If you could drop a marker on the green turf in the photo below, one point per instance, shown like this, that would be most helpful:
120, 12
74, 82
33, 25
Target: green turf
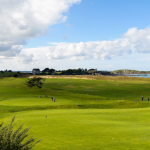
104, 113
88, 128
75, 92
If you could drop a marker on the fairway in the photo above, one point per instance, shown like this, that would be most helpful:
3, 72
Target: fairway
87, 114
76, 93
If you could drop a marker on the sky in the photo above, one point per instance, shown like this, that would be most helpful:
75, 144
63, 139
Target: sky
71, 34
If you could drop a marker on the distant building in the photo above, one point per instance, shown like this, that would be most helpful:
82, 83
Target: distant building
35, 71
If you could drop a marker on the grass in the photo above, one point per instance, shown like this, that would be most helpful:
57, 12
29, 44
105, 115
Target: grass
75, 92
92, 113
88, 128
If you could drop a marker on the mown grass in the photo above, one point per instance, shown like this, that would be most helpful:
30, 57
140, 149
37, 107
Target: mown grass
74, 93
103, 113
110, 129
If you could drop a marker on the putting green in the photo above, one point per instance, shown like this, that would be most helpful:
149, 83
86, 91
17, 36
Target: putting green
88, 129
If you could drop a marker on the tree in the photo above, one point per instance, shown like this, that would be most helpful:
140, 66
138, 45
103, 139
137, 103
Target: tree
79, 71
34, 82
13, 140
18, 73
52, 70
15, 75
46, 70
69, 71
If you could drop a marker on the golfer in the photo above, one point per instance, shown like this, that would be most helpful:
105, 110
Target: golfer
142, 97
52, 99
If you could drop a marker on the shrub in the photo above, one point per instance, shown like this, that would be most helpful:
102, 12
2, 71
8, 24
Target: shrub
13, 140
15, 75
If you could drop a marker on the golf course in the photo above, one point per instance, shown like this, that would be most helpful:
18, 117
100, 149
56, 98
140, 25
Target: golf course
89, 113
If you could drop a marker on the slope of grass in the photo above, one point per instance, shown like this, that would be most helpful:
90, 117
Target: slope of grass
14, 92
83, 93
15, 96
70, 123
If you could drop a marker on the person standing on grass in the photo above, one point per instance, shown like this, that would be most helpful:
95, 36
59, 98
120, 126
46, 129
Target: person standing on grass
148, 98
142, 97
52, 99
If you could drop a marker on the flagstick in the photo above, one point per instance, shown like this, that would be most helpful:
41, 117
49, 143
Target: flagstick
45, 120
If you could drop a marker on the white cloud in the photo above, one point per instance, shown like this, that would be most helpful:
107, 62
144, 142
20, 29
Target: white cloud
89, 50
24, 58
24, 19
140, 39
109, 66
132, 41
10, 50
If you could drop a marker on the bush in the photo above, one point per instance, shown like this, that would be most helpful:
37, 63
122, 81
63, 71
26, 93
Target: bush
13, 140
15, 75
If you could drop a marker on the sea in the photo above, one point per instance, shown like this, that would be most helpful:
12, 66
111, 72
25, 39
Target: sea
138, 75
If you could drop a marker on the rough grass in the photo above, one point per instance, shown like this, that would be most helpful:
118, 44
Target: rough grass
110, 78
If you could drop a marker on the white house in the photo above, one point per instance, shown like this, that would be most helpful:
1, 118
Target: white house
36, 71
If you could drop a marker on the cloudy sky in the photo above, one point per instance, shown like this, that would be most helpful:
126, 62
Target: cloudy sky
69, 34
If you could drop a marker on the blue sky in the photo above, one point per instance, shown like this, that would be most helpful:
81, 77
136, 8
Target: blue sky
97, 20
102, 34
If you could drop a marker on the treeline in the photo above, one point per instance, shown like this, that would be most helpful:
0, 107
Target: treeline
52, 71
79, 71
74, 72
9, 73
2, 71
